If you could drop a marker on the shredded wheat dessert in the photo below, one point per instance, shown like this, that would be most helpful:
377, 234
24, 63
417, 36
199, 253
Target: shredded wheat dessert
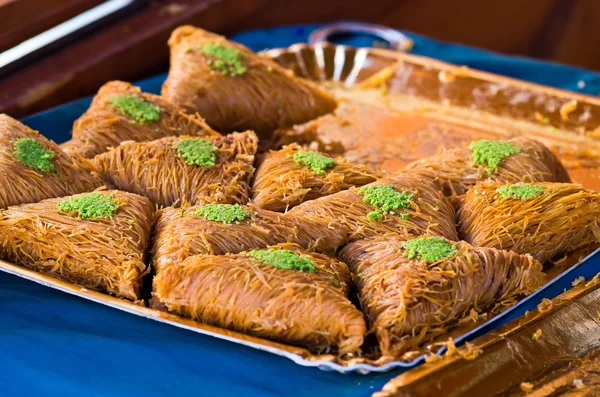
278, 252
415, 288
122, 112
34, 168
397, 203
96, 240
235, 89
281, 293
180, 170
541, 219
217, 229
293, 175
517, 160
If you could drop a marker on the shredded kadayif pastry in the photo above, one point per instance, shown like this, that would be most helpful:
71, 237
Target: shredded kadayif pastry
122, 112
516, 160
280, 292
33, 168
541, 219
179, 170
235, 89
441, 281
290, 176
97, 240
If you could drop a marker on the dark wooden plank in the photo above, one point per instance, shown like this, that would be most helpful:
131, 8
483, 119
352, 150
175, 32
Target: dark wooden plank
578, 45
500, 25
127, 50
558, 30
23, 19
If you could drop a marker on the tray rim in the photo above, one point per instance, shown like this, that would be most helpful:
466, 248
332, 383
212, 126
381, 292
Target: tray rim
446, 66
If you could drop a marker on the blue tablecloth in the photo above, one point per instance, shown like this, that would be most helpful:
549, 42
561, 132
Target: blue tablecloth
55, 344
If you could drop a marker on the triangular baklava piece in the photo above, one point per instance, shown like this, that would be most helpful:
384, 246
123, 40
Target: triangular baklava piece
96, 240
184, 169
281, 293
235, 89
401, 203
516, 160
218, 229
34, 168
413, 289
541, 219
122, 112
290, 176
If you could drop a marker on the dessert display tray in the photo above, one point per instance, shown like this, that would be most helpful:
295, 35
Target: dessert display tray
429, 94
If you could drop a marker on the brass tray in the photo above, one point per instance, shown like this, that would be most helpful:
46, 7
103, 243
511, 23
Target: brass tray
427, 95
439, 95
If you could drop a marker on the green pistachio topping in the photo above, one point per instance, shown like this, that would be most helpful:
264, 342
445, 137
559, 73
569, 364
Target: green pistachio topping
317, 162
374, 216
89, 206
521, 191
284, 259
491, 153
31, 153
197, 151
225, 60
429, 249
224, 213
385, 199
137, 108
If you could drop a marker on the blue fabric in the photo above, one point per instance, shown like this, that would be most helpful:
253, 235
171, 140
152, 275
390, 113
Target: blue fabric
54, 344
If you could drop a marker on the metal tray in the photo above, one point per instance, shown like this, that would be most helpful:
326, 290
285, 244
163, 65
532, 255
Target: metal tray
448, 93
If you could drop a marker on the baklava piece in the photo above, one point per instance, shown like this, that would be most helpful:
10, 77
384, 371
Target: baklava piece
541, 219
290, 176
96, 240
181, 170
413, 289
516, 160
235, 89
122, 112
34, 168
218, 229
402, 203
281, 293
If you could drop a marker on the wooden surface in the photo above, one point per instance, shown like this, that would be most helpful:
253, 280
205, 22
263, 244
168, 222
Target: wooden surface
560, 30
131, 49
135, 47
48, 13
